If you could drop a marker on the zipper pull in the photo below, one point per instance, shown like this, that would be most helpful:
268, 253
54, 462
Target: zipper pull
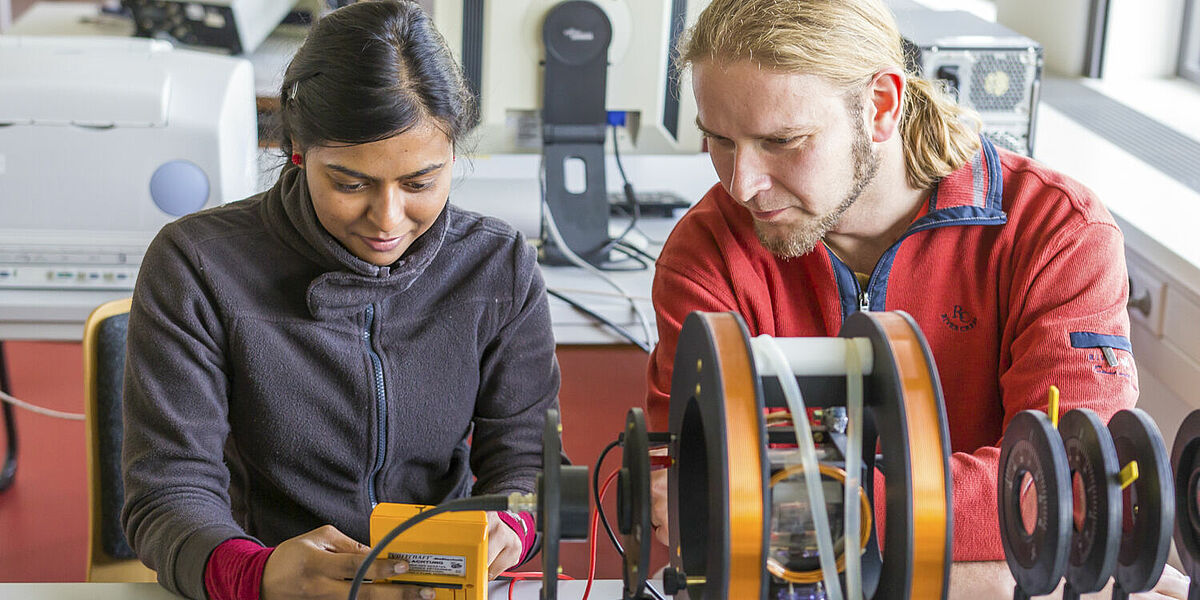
864, 301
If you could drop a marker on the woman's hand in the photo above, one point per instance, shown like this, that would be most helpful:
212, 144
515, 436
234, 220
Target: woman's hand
504, 546
322, 563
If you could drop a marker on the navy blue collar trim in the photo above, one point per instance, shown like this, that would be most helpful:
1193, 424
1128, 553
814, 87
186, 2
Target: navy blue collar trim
992, 213
847, 283
958, 215
995, 191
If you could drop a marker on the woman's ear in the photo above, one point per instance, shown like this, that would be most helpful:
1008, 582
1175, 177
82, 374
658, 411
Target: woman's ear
297, 157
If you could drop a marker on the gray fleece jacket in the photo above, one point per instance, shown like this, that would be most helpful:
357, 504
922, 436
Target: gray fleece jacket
276, 383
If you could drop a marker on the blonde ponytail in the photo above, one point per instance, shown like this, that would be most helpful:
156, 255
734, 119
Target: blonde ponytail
939, 135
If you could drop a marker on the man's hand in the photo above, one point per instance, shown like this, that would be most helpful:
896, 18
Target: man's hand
1172, 584
987, 580
322, 563
658, 501
981, 581
504, 546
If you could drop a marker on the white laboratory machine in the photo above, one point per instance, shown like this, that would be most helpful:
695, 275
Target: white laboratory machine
238, 26
103, 141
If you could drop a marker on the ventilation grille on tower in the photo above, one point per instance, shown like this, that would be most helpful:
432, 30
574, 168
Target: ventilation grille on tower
998, 82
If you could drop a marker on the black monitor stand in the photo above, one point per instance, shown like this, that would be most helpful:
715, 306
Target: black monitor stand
574, 120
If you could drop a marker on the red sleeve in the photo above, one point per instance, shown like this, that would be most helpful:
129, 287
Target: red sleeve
530, 538
675, 295
235, 570
1067, 305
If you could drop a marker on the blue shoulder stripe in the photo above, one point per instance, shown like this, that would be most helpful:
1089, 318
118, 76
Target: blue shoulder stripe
1087, 339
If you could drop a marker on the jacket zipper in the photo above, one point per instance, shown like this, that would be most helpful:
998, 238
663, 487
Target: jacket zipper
861, 295
381, 426
864, 297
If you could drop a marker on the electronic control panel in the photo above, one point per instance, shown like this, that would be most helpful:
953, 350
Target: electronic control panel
67, 267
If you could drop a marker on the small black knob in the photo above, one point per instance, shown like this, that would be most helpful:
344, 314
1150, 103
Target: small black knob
1142, 303
674, 581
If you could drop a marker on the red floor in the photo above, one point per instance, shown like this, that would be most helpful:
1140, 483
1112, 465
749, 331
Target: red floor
43, 516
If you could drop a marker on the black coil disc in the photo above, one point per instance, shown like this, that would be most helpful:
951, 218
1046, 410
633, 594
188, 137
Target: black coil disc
549, 489
1033, 460
633, 503
562, 503
1096, 500
1185, 461
1148, 513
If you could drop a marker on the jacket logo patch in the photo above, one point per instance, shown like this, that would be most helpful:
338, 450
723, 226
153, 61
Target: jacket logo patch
1124, 367
959, 319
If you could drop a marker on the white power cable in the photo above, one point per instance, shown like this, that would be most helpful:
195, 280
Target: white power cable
552, 227
852, 502
808, 460
41, 411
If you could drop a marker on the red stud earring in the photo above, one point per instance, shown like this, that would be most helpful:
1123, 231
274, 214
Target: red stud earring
296, 158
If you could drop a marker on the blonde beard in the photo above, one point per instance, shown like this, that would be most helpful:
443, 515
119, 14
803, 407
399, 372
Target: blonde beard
798, 240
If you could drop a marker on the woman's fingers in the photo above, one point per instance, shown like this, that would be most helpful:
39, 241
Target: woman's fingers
504, 546
344, 556
321, 563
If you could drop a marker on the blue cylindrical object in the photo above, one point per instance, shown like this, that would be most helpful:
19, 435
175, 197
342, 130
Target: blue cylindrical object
179, 187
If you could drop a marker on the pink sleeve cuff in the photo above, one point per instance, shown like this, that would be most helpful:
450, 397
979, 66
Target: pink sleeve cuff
522, 524
235, 570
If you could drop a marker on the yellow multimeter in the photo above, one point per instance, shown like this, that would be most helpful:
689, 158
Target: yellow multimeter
447, 552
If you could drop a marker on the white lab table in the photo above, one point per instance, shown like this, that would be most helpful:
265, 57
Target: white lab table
609, 589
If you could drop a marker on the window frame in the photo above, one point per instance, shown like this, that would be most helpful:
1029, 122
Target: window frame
1189, 42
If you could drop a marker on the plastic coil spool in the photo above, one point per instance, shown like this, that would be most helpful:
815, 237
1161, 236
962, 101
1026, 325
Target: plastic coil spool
1096, 502
1148, 515
721, 464
1034, 461
633, 505
562, 503
1185, 461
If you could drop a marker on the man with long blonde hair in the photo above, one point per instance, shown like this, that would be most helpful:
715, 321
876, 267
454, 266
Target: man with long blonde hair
847, 183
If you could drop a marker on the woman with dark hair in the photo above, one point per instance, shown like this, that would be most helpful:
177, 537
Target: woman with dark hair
343, 339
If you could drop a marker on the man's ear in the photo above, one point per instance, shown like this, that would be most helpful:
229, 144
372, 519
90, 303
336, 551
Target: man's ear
885, 94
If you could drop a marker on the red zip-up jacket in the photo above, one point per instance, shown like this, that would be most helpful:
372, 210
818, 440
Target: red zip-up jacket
1014, 273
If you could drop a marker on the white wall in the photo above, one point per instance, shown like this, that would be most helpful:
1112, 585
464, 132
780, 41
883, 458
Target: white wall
1060, 26
1142, 38
1166, 343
